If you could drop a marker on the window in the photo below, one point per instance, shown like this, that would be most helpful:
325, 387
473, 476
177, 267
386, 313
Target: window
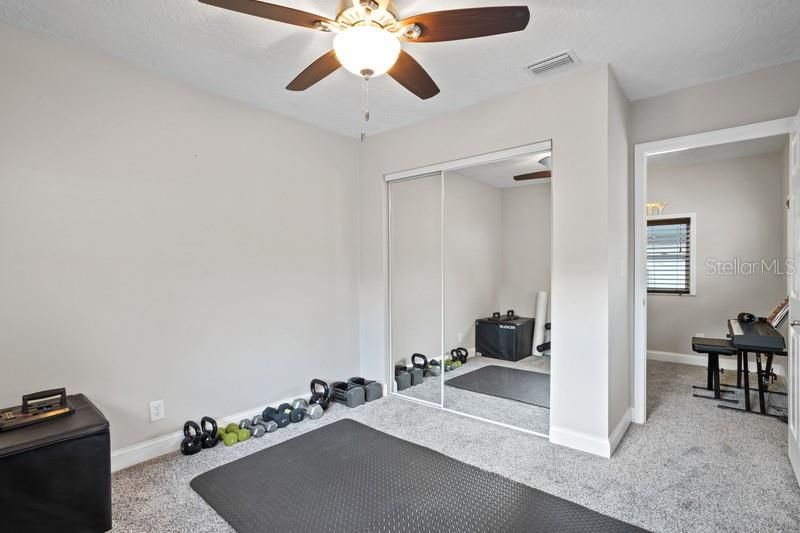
670, 254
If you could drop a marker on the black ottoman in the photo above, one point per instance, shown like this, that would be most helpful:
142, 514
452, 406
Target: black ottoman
55, 476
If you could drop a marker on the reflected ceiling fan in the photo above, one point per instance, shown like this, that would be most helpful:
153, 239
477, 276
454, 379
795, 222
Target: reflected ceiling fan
545, 160
368, 35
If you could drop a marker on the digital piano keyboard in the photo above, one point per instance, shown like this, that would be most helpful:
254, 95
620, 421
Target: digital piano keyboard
757, 337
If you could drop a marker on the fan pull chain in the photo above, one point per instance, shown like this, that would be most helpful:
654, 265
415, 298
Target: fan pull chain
365, 108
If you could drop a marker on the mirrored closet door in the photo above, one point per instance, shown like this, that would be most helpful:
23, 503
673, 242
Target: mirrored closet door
497, 230
415, 281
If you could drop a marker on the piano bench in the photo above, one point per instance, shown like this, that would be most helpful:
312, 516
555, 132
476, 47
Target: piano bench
713, 346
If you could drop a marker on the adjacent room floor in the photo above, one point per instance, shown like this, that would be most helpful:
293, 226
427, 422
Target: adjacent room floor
692, 467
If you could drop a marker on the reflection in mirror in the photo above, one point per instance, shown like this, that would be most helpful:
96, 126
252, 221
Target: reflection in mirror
497, 283
415, 272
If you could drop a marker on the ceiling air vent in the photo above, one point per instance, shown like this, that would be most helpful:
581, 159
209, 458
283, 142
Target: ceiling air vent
547, 65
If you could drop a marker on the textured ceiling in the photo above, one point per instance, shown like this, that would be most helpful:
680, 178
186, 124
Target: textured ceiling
654, 46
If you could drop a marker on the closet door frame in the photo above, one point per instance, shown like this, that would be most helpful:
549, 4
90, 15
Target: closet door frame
428, 171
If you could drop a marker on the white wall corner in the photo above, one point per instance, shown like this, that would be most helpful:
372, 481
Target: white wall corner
589, 443
620, 430
794, 455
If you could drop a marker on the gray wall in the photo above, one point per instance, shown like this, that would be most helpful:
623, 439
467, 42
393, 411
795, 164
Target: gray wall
765, 94
740, 213
157, 242
526, 256
416, 267
473, 256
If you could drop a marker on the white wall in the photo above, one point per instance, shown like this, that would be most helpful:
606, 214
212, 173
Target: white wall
473, 256
526, 253
740, 213
157, 242
574, 112
620, 267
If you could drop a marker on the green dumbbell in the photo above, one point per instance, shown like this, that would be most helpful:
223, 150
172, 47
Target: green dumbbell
228, 438
242, 434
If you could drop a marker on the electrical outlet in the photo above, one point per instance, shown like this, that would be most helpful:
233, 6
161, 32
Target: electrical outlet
460, 338
156, 410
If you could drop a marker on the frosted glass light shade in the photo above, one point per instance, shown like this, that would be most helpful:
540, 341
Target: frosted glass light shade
366, 50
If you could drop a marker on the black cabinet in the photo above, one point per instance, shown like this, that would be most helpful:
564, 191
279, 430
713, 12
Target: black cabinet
55, 476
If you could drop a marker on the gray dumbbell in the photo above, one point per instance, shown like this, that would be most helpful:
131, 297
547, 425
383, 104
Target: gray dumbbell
349, 394
268, 425
256, 430
372, 389
402, 377
313, 411
434, 368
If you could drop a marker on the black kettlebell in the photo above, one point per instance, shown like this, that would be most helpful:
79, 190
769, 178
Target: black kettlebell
321, 397
209, 438
418, 360
192, 438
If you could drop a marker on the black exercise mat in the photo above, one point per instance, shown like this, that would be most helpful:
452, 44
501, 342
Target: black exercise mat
523, 386
346, 477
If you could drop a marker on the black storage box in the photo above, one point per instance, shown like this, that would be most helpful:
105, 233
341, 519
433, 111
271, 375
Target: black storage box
505, 338
55, 476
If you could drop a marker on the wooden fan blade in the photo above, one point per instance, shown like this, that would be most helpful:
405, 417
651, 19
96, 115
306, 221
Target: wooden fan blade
410, 74
270, 11
533, 176
468, 23
316, 71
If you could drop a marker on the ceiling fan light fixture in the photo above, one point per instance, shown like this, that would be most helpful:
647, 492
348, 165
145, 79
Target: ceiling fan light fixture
366, 51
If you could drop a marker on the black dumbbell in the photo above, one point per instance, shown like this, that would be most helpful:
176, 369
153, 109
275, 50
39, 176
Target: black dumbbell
320, 393
209, 437
277, 416
295, 415
192, 438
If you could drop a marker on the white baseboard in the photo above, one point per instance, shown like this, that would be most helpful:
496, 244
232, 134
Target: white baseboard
580, 441
620, 430
589, 443
728, 363
170, 443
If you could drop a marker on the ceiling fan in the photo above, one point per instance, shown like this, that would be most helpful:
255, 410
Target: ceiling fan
368, 35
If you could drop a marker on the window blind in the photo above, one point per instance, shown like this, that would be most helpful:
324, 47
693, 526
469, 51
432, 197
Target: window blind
669, 256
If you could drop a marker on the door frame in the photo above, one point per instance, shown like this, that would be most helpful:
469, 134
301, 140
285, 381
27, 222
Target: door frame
642, 152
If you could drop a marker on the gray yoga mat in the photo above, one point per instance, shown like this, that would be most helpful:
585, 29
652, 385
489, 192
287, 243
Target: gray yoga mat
347, 477
523, 386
